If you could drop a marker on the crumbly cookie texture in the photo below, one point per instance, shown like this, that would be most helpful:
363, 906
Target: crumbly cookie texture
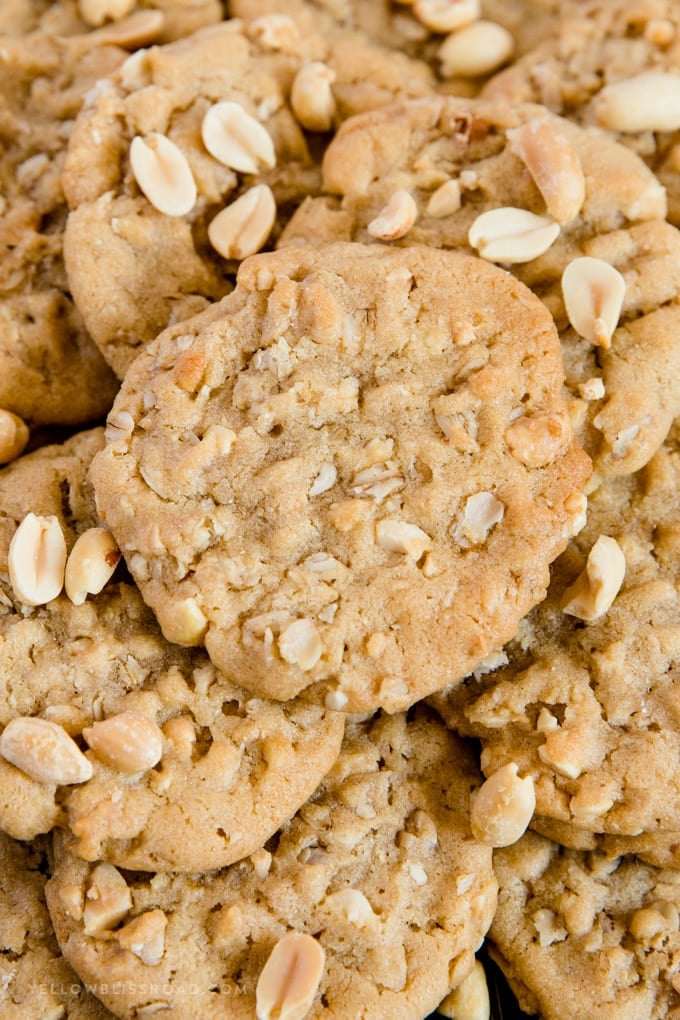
35, 980
182, 769
122, 22
51, 373
611, 65
582, 934
354, 470
378, 874
586, 700
432, 172
217, 121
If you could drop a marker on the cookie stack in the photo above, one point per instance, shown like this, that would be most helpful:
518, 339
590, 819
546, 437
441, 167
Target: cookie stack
338, 528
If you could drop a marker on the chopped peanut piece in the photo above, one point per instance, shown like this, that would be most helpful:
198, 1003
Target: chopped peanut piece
243, 227
44, 751
290, 978
512, 235
163, 173
470, 1000
446, 15
237, 139
140, 28
352, 905
475, 50
145, 936
300, 644
593, 297
538, 440
107, 900
96, 12
503, 807
594, 590
37, 560
14, 435
189, 624
481, 514
401, 537
445, 200
646, 102
554, 165
90, 564
396, 219
312, 98
127, 741
274, 32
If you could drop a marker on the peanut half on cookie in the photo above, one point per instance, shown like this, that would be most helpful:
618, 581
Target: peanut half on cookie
353, 471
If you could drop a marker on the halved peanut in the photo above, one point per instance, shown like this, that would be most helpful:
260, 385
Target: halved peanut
311, 96
237, 139
127, 741
445, 200
503, 807
290, 978
512, 235
470, 1000
300, 644
14, 435
163, 173
90, 564
402, 537
396, 219
243, 227
646, 102
554, 165
107, 900
593, 294
475, 50
140, 28
594, 590
37, 559
446, 15
44, 751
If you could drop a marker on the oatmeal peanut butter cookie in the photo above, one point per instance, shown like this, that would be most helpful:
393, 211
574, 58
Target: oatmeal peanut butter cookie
586, 700
353, 470
375, 897
35, 980
51, 373
188, 158
536, 194
153, 759
585, 935
611, 65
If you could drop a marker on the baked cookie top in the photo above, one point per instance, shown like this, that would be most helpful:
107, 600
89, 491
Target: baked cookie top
586, 701
378, 875
353, 471
165, 748
121, 22
50, 371
582, 934
612, 65
551, 193
35, 980
189, 157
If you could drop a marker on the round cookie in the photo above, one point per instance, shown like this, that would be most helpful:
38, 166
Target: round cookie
321, 478
587, 703
132, 24
597, 45
584, 935
232, 767
379, 868
51, 372
470, 147
35, 980
134, 269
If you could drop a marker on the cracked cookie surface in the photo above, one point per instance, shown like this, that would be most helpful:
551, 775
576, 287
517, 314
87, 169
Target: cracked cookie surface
353, 470
229, 769
379, 869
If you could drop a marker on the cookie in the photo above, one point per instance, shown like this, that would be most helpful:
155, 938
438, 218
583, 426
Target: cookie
35, 980
378, 876
52, 373
580, 934
427, 172
586, 699
182, 769
611, 66
125, 23
136, 263
325, 478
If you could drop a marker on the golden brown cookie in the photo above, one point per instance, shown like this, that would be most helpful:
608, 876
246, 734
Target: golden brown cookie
352, 471
375, 894
171, 765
